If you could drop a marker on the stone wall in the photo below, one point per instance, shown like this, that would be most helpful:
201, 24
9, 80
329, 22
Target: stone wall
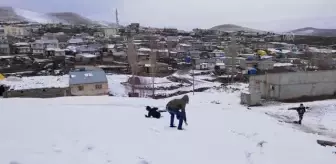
38, 93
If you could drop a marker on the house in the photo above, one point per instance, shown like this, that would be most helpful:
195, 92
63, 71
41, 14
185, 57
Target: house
183, 47
98, 34
86, 58
4, 47
22, 48
88, 82
204, 64
143, 54
39, 46
87, 49
110, 48
16, 31
162, 53
2, 33
195, 54
145, 67
75, 41
197, 45
55, 52
110, 32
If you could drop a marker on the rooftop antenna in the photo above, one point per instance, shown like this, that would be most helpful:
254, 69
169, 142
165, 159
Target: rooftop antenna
117, 17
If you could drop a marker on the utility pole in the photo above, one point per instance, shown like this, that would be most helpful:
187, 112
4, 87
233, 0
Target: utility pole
233, 53
193, 72
132, 60
153, 64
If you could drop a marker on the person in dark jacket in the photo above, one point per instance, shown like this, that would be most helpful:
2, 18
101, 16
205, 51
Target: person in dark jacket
177, 107
153, 112
300, 110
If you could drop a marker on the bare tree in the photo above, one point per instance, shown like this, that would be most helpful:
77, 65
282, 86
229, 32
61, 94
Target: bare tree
231, 51
153, 64
132, 61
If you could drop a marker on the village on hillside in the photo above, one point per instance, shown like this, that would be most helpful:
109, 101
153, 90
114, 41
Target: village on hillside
54, 60
80, 91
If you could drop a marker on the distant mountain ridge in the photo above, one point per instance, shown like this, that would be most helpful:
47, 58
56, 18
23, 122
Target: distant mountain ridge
234, 28
315, 32
10, 14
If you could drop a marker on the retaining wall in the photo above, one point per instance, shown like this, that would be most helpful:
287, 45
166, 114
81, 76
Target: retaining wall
38, 93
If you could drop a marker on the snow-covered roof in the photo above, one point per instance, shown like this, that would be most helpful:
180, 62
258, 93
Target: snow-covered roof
21, 44
47, 41
110, 45
282, 64
87, 55
266, 57
75, 40
185, 45
279, 51
144, 49
54, 49
87, 77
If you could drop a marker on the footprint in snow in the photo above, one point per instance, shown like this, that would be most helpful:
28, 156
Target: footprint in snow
56, 149
155, 130
143, 162
14, 162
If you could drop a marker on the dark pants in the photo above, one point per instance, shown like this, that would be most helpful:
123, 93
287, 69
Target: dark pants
300, 118
179, 115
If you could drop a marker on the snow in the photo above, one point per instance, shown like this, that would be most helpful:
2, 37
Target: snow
37, 17
16, 83
144, 50
104, 129
278, 51
305, 32
320, 118
87, 55
282, 64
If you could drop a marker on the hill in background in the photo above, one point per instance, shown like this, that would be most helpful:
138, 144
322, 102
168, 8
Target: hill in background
10, 14
234, 28
311, 31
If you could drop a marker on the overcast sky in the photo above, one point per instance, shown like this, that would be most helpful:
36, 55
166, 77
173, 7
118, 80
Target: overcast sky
279, 15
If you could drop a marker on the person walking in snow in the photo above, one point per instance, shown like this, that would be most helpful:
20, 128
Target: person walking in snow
300, 110
177, 107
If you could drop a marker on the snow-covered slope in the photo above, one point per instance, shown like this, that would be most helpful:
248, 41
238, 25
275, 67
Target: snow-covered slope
91, 130
314, 31
10, 14
32, 16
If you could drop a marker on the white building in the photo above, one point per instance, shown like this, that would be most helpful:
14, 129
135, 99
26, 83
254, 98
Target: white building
293, 85
16, 31
110, 32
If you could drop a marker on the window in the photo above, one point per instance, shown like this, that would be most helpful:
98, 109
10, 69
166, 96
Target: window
99, 86
80, 88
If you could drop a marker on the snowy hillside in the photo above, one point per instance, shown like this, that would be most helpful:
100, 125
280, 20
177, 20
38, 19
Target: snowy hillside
115, 83
9, 14
314, 31
32, 16
113, 130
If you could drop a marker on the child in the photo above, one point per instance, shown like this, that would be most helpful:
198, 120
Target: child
300, 110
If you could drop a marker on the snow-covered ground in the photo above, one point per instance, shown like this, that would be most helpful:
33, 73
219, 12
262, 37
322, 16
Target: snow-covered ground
115, 83
320, 117
102, 129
